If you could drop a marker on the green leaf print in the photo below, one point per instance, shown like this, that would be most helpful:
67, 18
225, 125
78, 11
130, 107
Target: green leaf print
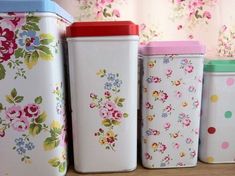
2, 72
41, 118
19, 99
13, 93
125, 115
55, 162
38, 100
19, 53
31, 27
10, 99
31, 59
59, 163
1, 107
119, 101
46, 39
35, 129
33, 19
50, 143
115, 122
13, 98
107, 122
62, 167
45, 52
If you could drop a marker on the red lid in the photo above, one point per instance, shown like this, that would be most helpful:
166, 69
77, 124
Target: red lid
108, 28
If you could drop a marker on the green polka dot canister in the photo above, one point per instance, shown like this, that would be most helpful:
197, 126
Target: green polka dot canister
218, 112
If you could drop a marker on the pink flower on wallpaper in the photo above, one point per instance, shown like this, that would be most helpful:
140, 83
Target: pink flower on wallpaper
226, 41
116, 13
194, 11
207, 15
100, 9
190, 36
179, 27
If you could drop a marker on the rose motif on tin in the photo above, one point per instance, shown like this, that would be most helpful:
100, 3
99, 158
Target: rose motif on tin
109, 108
22, 44
28, 121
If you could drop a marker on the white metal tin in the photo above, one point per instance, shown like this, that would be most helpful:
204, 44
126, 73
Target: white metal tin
171, 97
32, 105
217, 142
103, 74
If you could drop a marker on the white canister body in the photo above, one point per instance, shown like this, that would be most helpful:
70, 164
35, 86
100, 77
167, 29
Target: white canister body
171, 103
217, 142
32, 101
103, 74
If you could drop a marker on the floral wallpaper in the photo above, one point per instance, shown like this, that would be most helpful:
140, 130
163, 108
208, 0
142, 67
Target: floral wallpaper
210, 21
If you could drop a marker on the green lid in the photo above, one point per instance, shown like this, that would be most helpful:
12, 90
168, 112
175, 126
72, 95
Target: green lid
219, 66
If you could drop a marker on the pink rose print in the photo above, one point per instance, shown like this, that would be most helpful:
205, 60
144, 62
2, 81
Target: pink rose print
160, 95
189, 68
169, 108
167, 159
110, 106
178, 94
148, 156
189, 141
31, 110
167, 126
107, 94
15, 20
160, 147
7, 43
14, 113
104, 113
184, 120
21, 125
176, 145
193, 154
117, 115
169, 73
148, 105
92, 105
196, 104
153, 79
152, 132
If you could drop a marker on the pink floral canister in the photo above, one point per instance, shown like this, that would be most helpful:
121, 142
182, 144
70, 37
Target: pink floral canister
171, 103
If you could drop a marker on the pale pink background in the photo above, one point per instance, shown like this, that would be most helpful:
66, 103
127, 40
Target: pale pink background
160, 21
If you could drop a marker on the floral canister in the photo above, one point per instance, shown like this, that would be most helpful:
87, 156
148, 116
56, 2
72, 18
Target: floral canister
217, 142
103, 74
171, 102
32, 101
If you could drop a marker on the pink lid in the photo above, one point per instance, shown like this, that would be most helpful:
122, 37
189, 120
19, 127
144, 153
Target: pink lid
172, 47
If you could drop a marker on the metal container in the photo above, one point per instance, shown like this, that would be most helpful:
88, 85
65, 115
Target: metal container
32, 104
171, 103
103, 74
217, 123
